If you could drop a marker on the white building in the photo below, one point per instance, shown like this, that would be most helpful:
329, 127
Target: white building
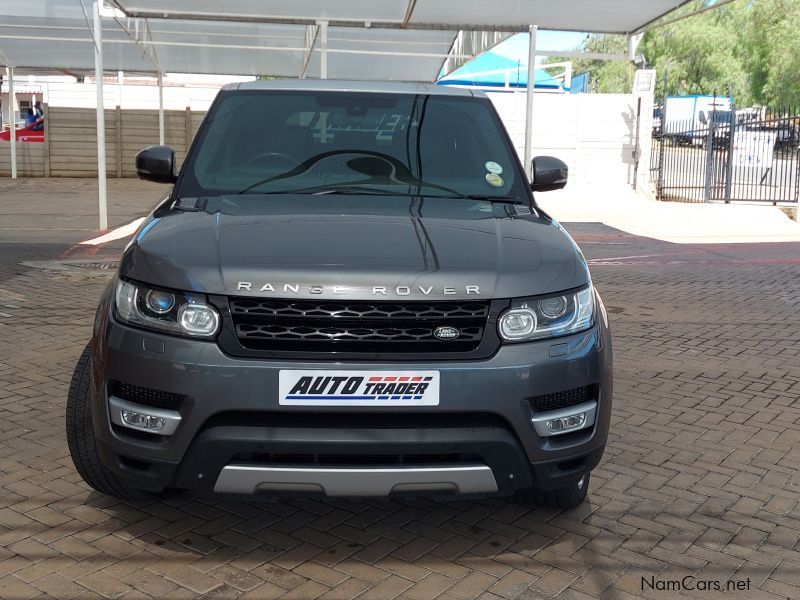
26, 97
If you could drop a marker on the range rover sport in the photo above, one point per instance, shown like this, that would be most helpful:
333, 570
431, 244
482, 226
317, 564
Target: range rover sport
349, 291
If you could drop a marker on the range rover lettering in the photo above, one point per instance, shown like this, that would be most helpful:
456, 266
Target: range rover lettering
350, 290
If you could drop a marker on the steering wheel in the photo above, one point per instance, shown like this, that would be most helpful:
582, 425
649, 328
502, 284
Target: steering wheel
271, 157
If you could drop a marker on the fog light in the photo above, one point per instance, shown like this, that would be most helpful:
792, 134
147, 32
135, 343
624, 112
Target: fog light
144, 418
563, 424
552, 423
143, 421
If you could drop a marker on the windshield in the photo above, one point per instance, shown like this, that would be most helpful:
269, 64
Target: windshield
718, 116
345, 142
722, 116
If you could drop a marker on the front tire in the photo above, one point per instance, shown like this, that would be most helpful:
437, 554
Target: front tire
81, 440
565, 498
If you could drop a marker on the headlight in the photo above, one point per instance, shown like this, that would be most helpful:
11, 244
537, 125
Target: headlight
181, 313
547, 316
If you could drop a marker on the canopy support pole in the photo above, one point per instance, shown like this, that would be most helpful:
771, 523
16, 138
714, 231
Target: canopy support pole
323, 49
102, 197
532, 30
633, 44
13, 130
160, 109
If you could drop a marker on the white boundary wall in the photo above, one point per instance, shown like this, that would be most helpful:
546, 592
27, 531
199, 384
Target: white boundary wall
129, 96
595, 134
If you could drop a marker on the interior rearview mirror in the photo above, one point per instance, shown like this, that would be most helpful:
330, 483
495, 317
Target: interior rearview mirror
549, 173
156, 163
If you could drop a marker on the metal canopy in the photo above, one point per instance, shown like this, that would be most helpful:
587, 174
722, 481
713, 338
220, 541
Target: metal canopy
32, 36
65, 44
377, 39
606, 16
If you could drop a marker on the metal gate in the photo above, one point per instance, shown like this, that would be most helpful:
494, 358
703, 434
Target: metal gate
747, 155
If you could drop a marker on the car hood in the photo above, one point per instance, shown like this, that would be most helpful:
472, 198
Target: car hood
303, 252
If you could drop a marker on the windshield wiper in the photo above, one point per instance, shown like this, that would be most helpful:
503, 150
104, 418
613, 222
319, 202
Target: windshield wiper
487, 198
349, 190
355, 190
326, 191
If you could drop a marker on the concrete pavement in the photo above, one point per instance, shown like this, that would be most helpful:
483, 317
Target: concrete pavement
55, 210
675, 222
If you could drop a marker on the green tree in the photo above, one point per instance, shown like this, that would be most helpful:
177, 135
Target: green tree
771, 40
605, 77
702, 54
748, 48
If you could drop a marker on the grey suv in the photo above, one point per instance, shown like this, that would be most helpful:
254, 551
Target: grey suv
349, 291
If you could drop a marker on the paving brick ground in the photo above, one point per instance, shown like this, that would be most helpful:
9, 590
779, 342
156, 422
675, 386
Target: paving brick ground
701, 476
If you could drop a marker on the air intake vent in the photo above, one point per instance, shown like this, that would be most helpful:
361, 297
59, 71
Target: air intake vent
564, 399
147, 396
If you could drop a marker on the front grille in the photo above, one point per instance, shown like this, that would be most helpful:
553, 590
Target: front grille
146, 396
564, 399
357, 326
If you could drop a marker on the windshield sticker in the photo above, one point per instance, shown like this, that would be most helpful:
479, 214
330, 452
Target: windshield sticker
493, 167
494, 179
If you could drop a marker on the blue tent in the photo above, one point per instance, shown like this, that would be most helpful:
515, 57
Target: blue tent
580, 83
492, 70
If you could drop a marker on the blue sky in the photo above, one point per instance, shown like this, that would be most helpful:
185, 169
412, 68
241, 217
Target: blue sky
516, 47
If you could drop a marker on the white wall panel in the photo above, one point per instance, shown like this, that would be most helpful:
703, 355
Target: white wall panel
594, 134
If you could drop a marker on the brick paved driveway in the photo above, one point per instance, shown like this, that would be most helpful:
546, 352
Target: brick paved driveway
701, 475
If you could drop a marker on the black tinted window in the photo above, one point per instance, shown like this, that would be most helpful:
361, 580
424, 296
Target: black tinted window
267, 142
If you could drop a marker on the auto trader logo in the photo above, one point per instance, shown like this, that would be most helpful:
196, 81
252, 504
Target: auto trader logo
359, 388
376, 388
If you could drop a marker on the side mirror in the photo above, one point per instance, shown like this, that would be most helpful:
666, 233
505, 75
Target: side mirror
549, 173
156, 163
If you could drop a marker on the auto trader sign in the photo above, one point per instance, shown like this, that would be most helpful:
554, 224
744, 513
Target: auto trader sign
753, 148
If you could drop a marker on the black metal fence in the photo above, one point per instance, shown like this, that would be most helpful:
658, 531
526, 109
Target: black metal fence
722, 154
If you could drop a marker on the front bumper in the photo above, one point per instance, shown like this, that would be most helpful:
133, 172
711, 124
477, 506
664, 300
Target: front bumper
231, 417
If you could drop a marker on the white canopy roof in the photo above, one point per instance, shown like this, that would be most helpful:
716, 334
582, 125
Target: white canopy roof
373, 39
54, 34
606, 16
